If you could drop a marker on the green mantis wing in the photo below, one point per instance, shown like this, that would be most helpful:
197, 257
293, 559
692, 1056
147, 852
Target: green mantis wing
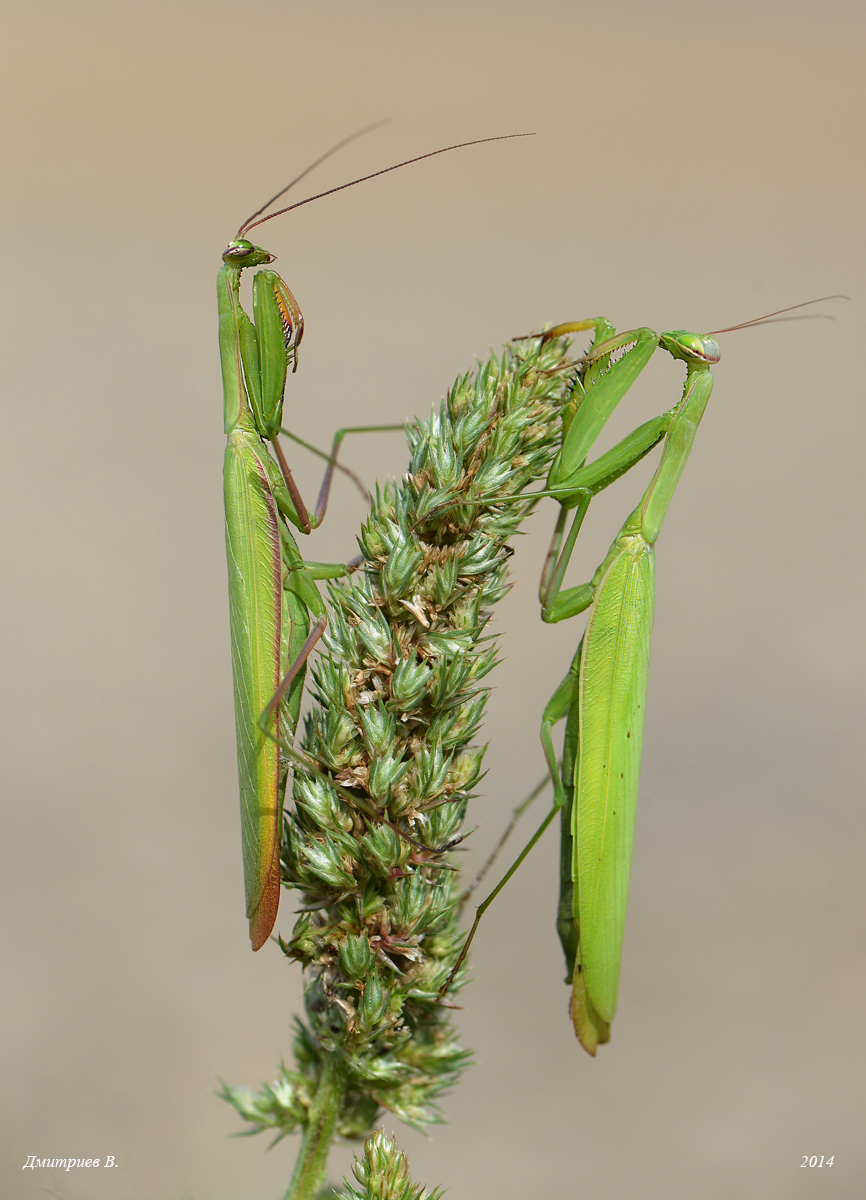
614, 667
255, 562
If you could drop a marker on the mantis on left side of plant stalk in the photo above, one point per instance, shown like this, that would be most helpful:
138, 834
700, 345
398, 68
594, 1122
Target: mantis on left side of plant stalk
276, 612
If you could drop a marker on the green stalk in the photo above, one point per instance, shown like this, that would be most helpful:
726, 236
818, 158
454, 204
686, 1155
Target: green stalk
308, 1176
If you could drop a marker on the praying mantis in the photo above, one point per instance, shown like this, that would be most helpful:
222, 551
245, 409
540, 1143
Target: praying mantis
602, 697
276, 611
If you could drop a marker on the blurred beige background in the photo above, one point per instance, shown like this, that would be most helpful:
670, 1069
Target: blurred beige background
694, 165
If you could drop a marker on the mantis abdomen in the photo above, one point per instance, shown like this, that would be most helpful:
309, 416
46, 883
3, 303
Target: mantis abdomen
614, 667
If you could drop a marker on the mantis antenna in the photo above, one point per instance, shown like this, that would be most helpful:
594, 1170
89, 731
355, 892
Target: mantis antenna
306, 171
251, 222
767, 319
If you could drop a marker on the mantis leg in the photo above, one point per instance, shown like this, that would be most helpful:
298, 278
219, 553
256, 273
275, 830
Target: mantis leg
558, 706
588, 481
304, 599
256, 357
312, 520
331, 459
483, 907
506, 834
597, 393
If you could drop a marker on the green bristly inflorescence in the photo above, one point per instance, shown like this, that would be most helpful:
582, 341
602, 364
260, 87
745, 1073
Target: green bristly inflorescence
398, 698
382, 1173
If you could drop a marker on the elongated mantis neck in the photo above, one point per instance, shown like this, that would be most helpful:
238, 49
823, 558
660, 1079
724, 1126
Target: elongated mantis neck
236, 411
678, 445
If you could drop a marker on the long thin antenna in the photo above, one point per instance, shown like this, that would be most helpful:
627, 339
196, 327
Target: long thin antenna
339, 146
251, 223
768, 316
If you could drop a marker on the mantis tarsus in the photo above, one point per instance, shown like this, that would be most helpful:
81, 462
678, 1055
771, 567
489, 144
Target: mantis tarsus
277, 613
603, 695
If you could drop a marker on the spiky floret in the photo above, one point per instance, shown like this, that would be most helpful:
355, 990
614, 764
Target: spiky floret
382, 1173
398, 699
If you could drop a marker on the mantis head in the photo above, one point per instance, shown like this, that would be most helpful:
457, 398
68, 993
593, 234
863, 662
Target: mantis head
697, 349
240, 253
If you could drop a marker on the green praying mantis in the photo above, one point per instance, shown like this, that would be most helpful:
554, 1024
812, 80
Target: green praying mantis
602, 698
603, 695
276, 611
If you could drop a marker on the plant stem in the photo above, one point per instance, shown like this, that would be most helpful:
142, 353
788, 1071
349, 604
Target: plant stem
308, 1176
